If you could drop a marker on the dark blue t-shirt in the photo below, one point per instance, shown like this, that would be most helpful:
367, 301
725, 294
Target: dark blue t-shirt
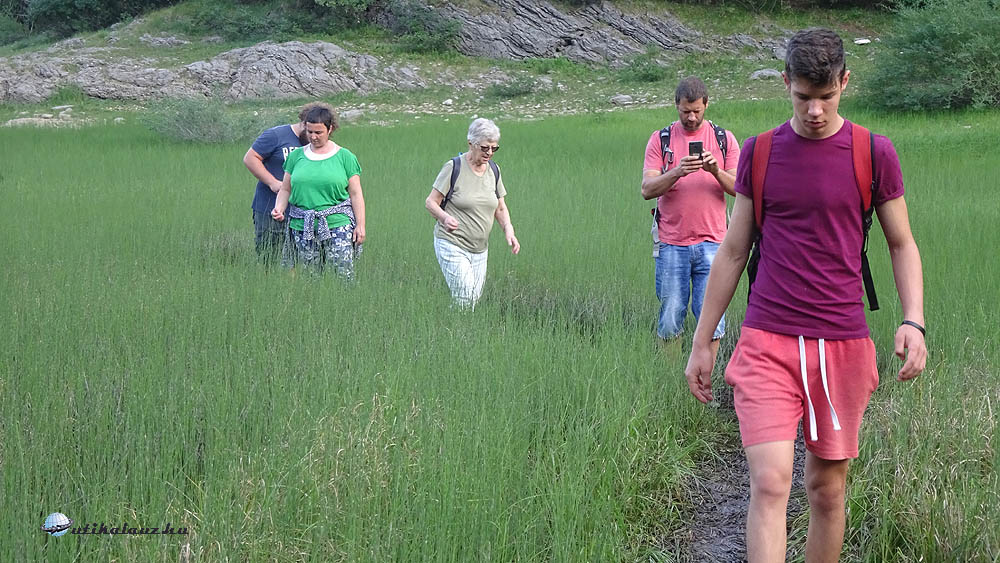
273, 146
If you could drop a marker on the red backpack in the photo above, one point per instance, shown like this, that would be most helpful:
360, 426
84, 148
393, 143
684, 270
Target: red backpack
863, 155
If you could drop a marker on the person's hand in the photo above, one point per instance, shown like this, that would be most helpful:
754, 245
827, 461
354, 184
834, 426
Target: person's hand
699, 372
515, 246
359, 234
276, 186
688, 164
450, 223
277, 215
911, 348
709, 163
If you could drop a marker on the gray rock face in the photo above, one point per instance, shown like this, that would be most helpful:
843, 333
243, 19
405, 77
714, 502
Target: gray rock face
765, 73
162, 41
295, 69
506, 29
266, 70
595, 33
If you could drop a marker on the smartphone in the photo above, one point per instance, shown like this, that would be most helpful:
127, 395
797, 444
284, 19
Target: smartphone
694, 148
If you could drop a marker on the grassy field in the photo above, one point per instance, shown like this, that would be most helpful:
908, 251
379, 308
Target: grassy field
154, 373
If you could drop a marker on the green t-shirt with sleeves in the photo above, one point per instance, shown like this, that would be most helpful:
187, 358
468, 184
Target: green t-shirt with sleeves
473, 205
319, 181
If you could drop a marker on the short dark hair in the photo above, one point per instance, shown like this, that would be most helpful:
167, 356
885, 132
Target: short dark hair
691, 89
305, 109
815, 55
322, 113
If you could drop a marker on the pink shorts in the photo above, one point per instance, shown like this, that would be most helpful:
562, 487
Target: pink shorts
766, 375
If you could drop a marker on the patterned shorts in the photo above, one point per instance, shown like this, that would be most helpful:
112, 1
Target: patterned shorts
338, 252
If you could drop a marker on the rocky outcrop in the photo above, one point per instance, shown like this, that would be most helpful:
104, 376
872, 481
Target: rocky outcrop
595, 33
266, 70
298, 69
507, 29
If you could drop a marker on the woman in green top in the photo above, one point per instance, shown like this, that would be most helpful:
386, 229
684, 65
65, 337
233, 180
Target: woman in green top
322, 193
465, 201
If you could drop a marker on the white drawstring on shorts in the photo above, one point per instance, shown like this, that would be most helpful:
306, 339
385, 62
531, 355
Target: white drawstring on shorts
826, 388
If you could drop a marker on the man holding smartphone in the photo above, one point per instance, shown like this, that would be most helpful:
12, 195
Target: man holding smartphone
689, 167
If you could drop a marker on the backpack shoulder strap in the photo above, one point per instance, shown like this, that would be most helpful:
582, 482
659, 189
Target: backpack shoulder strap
456, 167
758, 172
720, 137
863, 155
665, 146
496, 175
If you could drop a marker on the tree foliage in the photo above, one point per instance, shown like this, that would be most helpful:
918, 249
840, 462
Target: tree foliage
65, 17
941, 56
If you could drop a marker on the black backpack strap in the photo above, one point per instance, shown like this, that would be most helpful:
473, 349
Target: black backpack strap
666, 153
754, 261
866, 225
496, 175
720, 136
456, 167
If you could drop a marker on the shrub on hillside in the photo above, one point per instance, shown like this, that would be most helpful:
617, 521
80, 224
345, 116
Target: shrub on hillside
10, 30
521, 86
942, 55
353, 13
65, 17
203, 121
246, 20
644, 67
420, 28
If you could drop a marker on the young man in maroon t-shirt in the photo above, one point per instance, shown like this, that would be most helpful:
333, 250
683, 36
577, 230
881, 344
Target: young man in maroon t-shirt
804, 351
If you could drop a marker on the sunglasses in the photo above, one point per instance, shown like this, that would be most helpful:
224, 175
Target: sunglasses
487, 148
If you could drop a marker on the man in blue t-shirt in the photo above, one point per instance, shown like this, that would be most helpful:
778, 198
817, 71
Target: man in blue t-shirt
266, 160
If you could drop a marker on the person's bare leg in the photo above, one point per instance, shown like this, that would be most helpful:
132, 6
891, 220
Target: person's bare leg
770, 483
826, 486
715, 348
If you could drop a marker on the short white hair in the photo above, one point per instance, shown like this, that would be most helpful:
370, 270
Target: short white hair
483, 129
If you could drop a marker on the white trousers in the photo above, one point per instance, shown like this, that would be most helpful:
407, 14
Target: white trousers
464, 272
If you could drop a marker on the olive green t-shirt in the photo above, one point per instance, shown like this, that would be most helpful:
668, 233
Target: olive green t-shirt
473, 205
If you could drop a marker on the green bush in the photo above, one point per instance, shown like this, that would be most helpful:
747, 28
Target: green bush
420, 29
11, 30
353, 13
941, 56
65, 17
514, 89
643, 68
254, 20
204, 121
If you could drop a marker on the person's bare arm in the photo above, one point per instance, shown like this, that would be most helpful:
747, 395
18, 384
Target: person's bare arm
723, 279
281, 201
255, 164
908, 274
358, 204
502, 215
654, 184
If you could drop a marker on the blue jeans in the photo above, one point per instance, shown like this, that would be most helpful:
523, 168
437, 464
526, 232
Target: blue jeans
268, 235
681, 275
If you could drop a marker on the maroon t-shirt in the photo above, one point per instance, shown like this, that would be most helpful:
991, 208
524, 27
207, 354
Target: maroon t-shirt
809, 278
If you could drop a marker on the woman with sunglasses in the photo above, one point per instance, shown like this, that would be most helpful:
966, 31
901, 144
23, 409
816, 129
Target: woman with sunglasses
467, 195
321, 191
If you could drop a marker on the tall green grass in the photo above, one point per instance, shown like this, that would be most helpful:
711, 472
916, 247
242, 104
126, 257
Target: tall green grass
154, 372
